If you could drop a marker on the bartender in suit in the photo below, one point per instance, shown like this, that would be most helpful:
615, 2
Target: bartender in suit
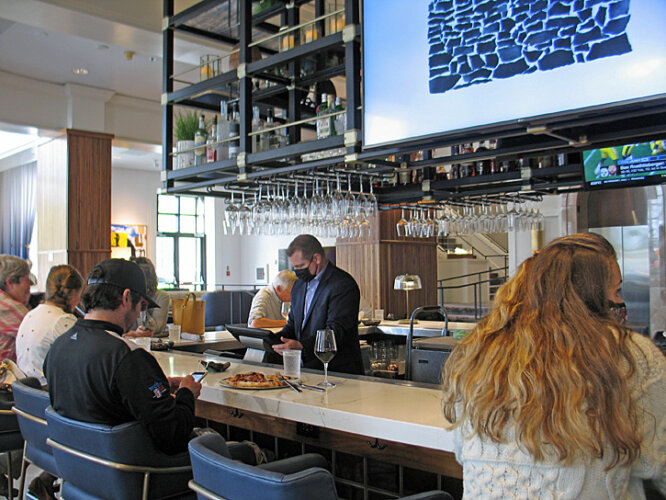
324, 296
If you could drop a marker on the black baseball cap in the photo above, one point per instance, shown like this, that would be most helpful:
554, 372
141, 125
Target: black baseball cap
123, 274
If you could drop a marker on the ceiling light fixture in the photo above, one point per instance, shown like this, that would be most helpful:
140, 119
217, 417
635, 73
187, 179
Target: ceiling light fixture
80, 71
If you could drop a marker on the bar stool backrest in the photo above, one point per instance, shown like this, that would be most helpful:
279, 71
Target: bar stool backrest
111, 462
30, 403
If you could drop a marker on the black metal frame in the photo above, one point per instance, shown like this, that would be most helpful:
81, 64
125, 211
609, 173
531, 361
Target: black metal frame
638, 121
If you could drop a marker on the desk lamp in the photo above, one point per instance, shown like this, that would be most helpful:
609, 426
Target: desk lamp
407, 282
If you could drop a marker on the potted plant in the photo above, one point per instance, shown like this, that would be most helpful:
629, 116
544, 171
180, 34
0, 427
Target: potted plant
185, 126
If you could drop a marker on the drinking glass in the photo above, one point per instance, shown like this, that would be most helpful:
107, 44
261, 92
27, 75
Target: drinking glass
401, 226
285, 309
325, 349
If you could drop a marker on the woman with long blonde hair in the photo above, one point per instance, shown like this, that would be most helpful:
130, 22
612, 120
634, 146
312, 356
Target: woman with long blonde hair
550, 395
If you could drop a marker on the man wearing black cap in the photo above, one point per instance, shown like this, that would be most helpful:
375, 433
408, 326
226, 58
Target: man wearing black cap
95, 375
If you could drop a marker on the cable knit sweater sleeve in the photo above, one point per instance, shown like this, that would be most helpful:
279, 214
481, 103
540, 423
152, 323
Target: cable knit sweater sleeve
650, 394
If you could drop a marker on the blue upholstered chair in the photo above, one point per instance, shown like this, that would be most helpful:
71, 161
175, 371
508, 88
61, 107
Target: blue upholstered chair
111, 462
10, 436
218, 308
217, 476
227, 306
30, 403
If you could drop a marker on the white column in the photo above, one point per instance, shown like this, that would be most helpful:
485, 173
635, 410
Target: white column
86, 107
520, 248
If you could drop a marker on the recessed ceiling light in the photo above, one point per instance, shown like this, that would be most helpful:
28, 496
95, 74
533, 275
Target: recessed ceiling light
80, 71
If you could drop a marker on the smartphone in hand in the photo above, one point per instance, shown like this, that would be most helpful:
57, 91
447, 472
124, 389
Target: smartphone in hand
198, 376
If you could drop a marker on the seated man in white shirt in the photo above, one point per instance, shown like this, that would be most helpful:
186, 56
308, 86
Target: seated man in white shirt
266, 309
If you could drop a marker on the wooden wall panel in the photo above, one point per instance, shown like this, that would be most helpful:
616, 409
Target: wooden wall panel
89, 198
408, 258
361, 260
51, 206
375, 264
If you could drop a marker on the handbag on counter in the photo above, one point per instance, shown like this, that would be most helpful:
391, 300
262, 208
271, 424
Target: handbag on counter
189, 313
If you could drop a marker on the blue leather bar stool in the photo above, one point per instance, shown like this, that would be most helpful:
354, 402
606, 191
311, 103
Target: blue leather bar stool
111, 462
30, 403
10, 437
217, 476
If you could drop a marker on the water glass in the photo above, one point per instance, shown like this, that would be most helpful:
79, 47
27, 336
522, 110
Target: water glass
174, 333
292, 364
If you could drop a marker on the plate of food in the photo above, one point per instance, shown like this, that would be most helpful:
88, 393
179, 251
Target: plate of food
254, 381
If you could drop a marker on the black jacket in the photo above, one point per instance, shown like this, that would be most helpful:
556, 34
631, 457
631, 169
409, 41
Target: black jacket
96, 376
335, 306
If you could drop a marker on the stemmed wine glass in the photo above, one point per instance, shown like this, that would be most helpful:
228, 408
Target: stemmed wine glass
401, 226
325, 349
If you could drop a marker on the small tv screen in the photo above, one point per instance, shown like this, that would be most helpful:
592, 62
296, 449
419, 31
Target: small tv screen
437, 67
624, 166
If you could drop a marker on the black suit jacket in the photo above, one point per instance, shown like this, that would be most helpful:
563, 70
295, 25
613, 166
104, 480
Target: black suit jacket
334, 306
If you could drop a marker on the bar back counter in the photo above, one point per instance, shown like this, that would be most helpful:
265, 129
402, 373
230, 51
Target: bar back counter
383, 438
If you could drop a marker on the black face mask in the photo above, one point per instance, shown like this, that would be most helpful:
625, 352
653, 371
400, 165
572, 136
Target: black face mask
305, 274
619, 311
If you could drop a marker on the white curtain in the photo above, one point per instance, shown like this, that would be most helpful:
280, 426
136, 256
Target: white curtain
18, 205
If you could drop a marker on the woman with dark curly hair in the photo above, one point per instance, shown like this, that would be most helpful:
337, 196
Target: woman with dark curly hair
550, 396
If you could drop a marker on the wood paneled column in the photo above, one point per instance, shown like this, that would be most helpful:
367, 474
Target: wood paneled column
89, 198
375, 264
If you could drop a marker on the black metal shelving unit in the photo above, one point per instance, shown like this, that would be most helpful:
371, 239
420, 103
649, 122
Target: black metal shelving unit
231, 23
285, 92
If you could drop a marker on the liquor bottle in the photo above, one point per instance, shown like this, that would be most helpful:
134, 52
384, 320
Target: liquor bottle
256, 127
283, 134
340, 121
330, 108
323, 125
223, 132
269, 139
211, 148
234, 131
200, 137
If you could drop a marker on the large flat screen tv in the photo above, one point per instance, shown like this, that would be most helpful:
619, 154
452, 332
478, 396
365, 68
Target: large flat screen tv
624, 166
434, 67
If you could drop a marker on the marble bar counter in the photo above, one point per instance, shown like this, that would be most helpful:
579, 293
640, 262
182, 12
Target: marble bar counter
401, 419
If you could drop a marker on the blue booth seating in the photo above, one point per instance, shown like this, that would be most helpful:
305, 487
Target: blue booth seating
217, 476
227, 306
112, 462
30, 403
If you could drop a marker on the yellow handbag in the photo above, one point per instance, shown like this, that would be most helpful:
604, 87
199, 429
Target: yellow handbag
190, 314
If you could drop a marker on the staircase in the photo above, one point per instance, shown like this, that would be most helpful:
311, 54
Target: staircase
481, 281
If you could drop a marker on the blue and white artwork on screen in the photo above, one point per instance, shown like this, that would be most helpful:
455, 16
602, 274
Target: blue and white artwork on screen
437, 66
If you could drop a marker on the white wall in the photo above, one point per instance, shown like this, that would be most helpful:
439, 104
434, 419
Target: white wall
241, 254
134, 201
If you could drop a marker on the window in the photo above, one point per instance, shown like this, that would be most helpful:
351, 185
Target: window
181, 242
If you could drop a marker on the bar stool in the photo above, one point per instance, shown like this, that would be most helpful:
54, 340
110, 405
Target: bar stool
30, 403
99, 461
217, 476
10, 437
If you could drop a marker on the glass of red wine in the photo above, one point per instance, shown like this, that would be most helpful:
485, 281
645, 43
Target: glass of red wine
325, 349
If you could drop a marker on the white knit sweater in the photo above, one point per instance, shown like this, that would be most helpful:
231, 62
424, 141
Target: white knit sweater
505, 471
